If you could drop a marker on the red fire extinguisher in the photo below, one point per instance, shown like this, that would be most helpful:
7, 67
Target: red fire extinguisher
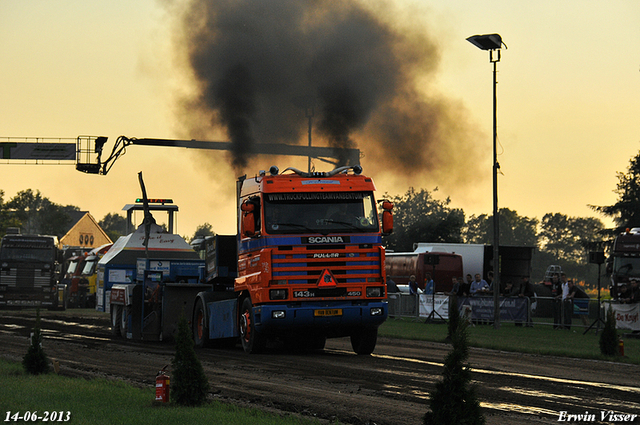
620, 347
162, 386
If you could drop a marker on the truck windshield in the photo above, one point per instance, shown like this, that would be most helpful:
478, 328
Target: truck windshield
89, 265
320, 212
73, 265
46, 255
626, 266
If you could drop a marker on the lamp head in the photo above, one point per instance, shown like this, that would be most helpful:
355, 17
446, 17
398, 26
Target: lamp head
486, 41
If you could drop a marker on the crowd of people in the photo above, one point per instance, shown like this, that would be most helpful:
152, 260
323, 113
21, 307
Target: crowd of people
629, 294
564, 293
477, 286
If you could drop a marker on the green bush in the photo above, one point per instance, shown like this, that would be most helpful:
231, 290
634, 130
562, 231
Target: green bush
609, 336
189, 384
454, 401
35, 361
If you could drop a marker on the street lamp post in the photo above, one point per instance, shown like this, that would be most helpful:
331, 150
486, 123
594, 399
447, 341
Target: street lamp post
493, 43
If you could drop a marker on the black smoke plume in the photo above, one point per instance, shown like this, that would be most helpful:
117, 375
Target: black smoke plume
363, 68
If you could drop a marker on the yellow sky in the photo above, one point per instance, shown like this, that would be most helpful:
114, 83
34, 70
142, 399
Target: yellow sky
568, 103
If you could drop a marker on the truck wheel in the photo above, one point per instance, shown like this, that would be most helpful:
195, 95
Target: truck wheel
317, 342
252, 341
116, 313
364, 341
124, 316
200, 328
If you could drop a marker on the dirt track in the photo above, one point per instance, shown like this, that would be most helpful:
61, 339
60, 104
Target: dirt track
389, 387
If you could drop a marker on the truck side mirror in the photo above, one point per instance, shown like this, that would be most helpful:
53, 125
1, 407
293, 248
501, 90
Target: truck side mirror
387, 218
248, 220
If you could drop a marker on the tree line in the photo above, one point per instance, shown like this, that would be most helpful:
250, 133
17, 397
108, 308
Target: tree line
418, 217
33, 213
558, 239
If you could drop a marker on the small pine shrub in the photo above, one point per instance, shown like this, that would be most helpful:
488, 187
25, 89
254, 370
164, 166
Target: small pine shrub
189, 384
609, 336
454, 401
454, 317
35, 361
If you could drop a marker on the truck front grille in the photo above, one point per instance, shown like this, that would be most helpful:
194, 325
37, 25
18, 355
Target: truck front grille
349, 264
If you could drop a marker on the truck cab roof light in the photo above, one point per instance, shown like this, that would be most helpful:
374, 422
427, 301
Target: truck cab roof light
155, 201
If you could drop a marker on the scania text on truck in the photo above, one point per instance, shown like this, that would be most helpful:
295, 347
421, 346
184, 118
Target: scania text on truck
29, 272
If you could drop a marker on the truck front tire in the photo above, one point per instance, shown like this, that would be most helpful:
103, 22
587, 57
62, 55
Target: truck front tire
252, 341
200, 328
116, 312
364, 341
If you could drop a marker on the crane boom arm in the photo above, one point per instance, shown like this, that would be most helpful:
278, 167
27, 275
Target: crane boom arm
350, 156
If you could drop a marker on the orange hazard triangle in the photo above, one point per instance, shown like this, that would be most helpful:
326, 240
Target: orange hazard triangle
326, 279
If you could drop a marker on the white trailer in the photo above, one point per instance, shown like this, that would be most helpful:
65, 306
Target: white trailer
515, 261
473, 255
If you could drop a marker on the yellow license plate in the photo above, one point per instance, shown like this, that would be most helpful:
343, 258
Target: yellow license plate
328, 312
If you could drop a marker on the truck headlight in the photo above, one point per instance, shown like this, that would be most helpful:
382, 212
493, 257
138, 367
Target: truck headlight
278, 314
278, 294
377, 311
374, 291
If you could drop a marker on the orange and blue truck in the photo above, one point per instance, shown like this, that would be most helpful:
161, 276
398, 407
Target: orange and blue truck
306, 264
310, 258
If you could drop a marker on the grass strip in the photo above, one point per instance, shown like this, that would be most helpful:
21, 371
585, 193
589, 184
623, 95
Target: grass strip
539, 339
100, 401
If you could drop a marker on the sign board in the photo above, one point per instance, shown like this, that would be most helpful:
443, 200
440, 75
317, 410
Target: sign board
511, 309
38, 151
627, 316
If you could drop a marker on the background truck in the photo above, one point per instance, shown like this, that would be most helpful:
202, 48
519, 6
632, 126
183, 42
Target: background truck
120, 264
623, 263
29, 271
515, 261
401, 265
308, 259
80, 277
70, 276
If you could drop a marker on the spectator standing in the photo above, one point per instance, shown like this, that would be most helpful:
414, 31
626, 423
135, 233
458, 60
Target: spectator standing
624, 296
392, 288
489, 289
469, 280
576, 292
429, 285
635, 291
479, 286
413, 285
464, 287
567, 303
526, 290
510, 290
455, 287
556, 291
